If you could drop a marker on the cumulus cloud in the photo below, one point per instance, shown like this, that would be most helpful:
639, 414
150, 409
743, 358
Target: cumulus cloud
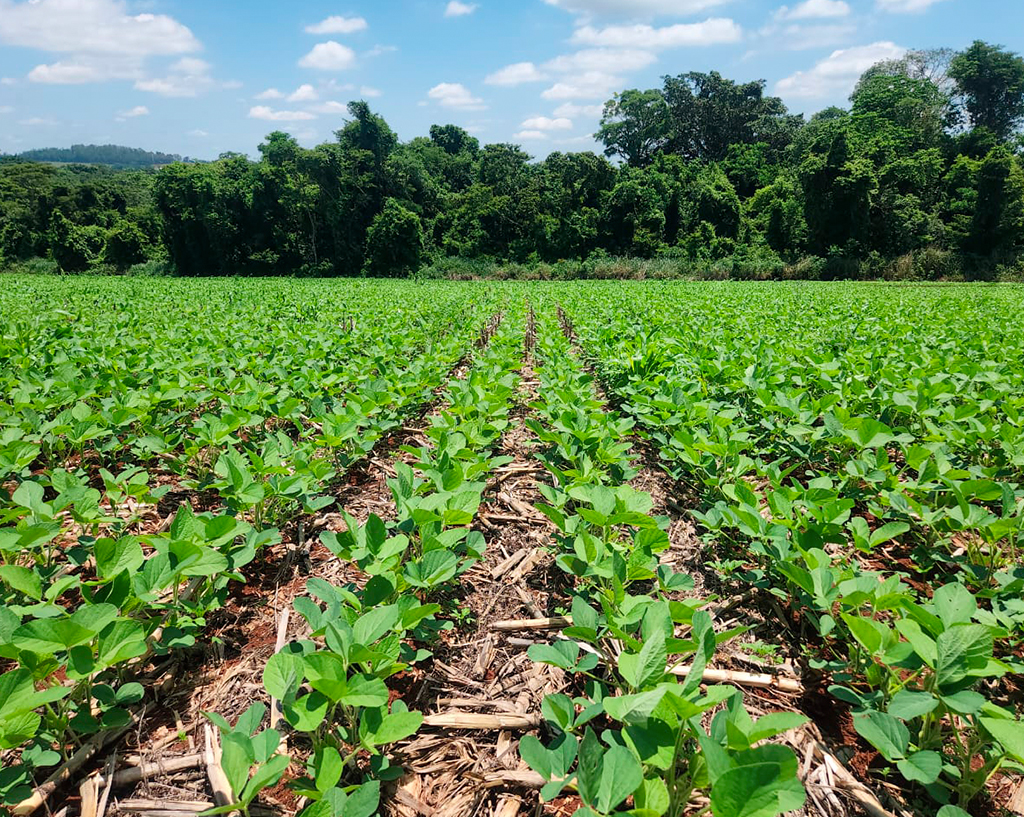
329, 56
304, 93
713, 31
543, 123
37, 122
268, 114
79, 70
455, 95
587, 85
368, 92
132, 113
636, 8
905, 6
457, 9
200, 134
516, 74
270, 93
529, 135
836, 75
330, 107
188, 77
814, 10
798, 36
572, 109
92, 27
338, 25
599, 59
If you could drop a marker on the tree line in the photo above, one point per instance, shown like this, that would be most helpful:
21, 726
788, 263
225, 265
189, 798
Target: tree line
921, 176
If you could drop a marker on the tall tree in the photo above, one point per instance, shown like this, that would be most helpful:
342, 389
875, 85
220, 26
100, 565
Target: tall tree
708, 113
635, 126
991, 80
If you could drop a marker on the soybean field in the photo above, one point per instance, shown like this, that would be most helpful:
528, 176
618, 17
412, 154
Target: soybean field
344, 548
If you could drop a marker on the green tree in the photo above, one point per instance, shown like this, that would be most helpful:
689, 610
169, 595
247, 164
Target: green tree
394, 242
708, 113
69, 244
991, 80
635, 126
125, 246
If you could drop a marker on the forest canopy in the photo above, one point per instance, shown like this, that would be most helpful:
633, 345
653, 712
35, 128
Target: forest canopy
921, 176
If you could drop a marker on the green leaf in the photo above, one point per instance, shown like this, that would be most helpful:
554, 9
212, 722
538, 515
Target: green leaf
621, 774
372, 625
561, 654
588, 770
328, 765
236, 759
266, 775
907, 705
282, 674
888, 531
23, 580
921, 767
48, 636
308, 712
954, 604
774, 723
363, 802
756, 790
365, 691
887, 734
1010, 735
117, 556
647, 665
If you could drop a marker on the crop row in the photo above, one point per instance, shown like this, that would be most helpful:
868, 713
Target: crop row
867, 472
634, 727
92, 590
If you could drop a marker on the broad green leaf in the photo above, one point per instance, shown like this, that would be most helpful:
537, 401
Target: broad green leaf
887, 734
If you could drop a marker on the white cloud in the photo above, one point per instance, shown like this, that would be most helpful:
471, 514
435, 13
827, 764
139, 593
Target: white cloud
905, 6
36, 121
188, 77
636, 8
545, 124
92, 27
588, 85
338, 25
530, 135
571, 109
455, 95
6, 109
516, 74
713, 31
304, 93
82, 69
799, 37
200, 134
377, 50
600, 59
266, 113
457, 9
366, 92
131, 113
270, 93
814, 10
836, 75
329, 56
330, 107
8, 81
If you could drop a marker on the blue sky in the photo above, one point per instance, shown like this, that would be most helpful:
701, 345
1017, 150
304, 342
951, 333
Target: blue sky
199, 77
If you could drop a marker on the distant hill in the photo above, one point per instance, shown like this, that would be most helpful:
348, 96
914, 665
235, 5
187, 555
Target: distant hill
112, 155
